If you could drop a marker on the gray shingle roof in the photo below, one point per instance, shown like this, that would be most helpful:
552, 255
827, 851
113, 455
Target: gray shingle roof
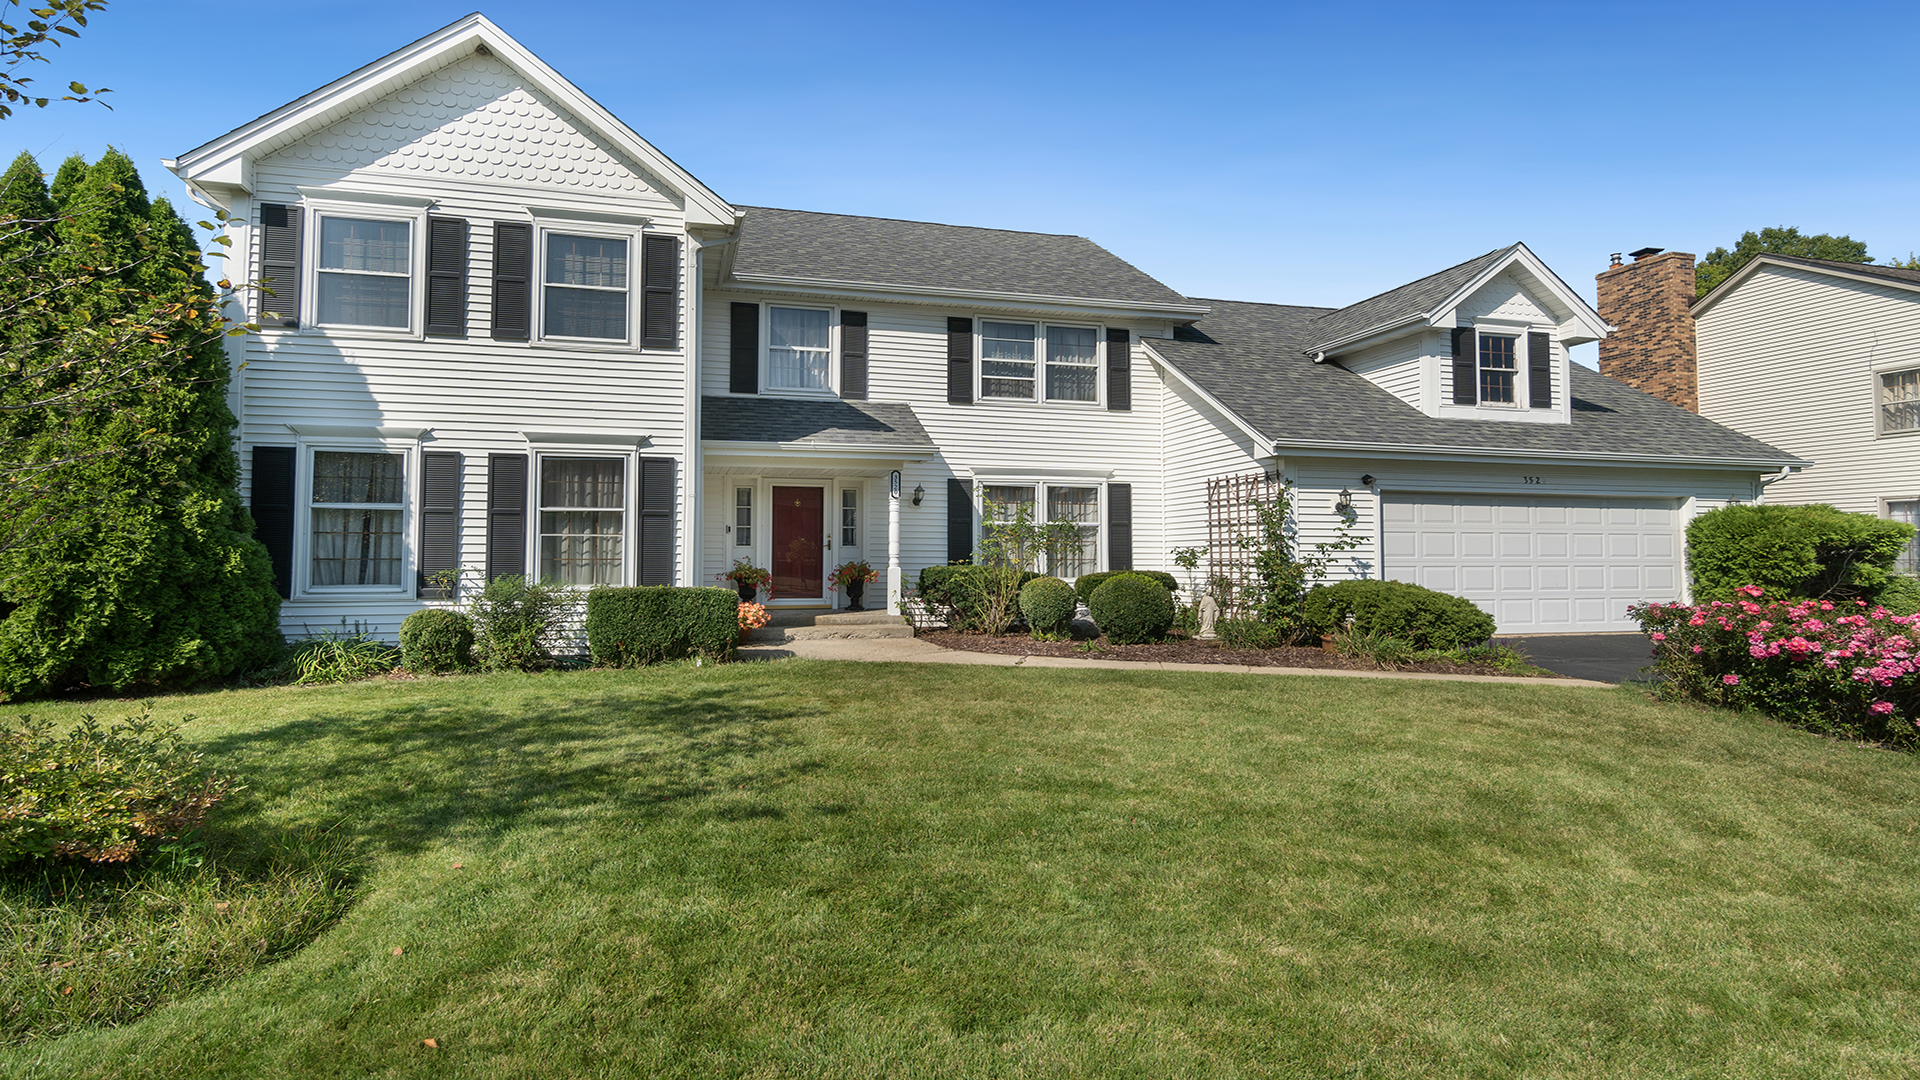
1396, 306
1251, 358
798, 244
827, 421
1891, 273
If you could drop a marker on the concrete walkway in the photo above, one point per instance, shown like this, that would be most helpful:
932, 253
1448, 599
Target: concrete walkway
918, 651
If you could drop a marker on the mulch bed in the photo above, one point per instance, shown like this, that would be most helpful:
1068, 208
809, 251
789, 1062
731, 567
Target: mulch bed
1188, 651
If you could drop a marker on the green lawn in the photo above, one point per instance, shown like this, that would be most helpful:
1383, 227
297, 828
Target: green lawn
810, 869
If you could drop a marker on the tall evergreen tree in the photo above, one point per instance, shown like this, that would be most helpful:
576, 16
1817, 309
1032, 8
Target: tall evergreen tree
144, 571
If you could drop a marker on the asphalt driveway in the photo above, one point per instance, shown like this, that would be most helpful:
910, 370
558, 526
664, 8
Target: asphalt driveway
1602, 657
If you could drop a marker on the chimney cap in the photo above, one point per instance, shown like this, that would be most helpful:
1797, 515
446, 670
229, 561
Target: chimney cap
1644, 252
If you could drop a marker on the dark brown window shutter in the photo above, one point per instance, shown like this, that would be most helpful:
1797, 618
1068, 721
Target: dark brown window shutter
853, 355
513, 283
1119, 370
743, 350
960, 372
506, 515
656, 520
272, 508
280, 264
959, 521
1540, 371
1119, 527
439, 523
660, 288
1466, 366
447, 277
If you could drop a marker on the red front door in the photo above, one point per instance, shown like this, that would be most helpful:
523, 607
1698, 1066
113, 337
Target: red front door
799, 524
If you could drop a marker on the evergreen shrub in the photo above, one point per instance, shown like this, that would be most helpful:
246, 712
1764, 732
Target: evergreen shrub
1422, 618
435, 640
514, 620
99, 793
1084, 585
628, 627
1047, 603
133, 563
1792, 551
955, 592
1900, 596
1132, 609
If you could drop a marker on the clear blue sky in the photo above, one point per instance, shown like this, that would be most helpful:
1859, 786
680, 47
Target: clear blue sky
1294, 153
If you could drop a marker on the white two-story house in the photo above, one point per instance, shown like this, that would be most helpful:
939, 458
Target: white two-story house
507, 335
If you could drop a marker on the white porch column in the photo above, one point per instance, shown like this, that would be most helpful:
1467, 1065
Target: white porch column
893, 543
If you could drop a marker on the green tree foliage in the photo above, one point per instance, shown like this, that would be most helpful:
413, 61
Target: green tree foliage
126, 559
1720, 264
23, 42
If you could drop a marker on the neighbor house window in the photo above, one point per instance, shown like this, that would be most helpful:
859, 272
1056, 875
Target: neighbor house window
1900, 401
1907, 511
359, 501
743, 517
799, 348
1009, 362
585, 288
1078, 507
849, 517
364, 272
1498, 366
582, 520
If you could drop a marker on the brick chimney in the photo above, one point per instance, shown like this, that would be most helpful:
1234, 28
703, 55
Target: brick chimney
1651, 347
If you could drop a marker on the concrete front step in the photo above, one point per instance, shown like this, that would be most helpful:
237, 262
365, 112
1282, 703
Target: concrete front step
819, 624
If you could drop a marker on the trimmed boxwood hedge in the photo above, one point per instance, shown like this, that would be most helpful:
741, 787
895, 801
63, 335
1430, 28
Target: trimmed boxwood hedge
1047, 603
435, 640
1084, 585
1131, 609
1422, 618
645, 624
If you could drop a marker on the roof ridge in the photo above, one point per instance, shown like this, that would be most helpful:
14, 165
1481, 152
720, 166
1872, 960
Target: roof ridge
914, 221
1261, 303
1425, 277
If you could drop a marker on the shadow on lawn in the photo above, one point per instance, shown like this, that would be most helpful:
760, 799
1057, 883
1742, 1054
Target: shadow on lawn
402, 776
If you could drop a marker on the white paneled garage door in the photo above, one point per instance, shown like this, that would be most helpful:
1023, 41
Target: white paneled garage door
1545, 565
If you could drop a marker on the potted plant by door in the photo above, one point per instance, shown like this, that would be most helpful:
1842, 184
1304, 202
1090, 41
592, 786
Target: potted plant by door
853, 577
747, 580
752, 617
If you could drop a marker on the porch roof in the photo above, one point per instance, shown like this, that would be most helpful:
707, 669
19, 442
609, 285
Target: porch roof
825, 422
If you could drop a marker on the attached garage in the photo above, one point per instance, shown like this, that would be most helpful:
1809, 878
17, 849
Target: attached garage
1543, 565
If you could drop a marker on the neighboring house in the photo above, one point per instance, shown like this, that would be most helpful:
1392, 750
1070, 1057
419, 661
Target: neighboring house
1819, 358
509, 335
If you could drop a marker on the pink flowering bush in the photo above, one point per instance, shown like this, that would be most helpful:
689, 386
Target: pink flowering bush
1844, 668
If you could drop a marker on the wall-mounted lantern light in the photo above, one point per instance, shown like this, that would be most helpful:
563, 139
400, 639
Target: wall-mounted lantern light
919, 493
1344, 504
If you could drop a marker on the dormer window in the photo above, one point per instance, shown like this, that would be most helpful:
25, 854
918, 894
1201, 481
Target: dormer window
1498, 366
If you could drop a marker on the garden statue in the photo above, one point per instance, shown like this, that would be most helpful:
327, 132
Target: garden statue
1209, 615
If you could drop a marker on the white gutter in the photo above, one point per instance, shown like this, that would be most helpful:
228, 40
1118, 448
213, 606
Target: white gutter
1306, 448
1785, 471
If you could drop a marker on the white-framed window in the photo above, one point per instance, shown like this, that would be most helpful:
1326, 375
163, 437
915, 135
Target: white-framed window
1071, 505
356, 511
364, 266
1022, 361
1899, 401
799, 348
583, 519
849, 517
1908, 511
585, 289
1499, 368
743, 517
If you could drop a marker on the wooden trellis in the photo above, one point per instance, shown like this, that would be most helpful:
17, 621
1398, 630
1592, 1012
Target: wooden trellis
1233, 536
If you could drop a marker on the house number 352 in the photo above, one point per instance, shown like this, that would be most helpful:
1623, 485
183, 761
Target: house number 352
1529, 479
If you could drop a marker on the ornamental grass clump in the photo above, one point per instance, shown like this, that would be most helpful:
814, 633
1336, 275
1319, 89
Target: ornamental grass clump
1845, 669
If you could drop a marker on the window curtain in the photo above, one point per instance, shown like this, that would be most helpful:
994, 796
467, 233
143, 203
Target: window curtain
797, 348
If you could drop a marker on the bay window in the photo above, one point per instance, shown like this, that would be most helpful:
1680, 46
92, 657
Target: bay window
582, 520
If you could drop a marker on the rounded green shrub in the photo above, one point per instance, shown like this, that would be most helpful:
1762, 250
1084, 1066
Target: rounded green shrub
1048, 604
434, 640
1132, 609
1792, 551
1422, 618
1084, 585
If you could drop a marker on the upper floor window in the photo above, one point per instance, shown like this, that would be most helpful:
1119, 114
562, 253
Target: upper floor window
585, 287
1900, 401
799, 348
356, 519
1499, 364
364, 272
1009, 362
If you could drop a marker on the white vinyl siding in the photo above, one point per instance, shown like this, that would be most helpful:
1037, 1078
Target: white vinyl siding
1795, 358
